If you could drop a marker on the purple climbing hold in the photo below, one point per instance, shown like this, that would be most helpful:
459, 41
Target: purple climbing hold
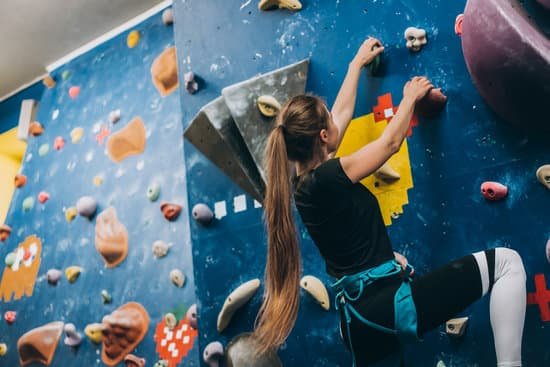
53, 276
213, 353
432, 104
191, 316
72, 337
202, 213
86, 206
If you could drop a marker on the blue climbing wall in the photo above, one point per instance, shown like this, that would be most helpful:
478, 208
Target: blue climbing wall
110, 77
225, 42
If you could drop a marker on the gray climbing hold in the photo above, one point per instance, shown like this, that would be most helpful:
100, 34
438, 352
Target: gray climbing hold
241, 352
241, 295
191, 316
456, 327
177, 277
72, 337
202, 213
53, 276
548, 250
86, 206
316, 289
161, 248
106, 297
213, 353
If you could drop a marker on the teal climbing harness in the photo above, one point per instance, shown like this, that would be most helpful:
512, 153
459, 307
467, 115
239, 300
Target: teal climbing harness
350, 288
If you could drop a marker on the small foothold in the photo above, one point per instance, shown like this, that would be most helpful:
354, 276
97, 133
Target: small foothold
43, 150
213, 353
202, 213
171, 211
53, 276
10, 317
192, 317
106, 297
76, 134
273, 4
316, 289
168, 16
48, 82
43, 196
548, 250
70, 214
170, 320
9, 260
191, 84
86, 206
416, 38
543, 175
3, 349
72, 337
5, 232
35, 128
28, 203
268, 106
161, 248
74, 91
134, 361
458, 24
177, 277
440, 364
153, 191
72, 273
387, 173
114, 116
236, 300
20, 180
456, 327
65, 74
161, 363
58, 143
98, 180
94, 332
432, 103
133, 39
493, 190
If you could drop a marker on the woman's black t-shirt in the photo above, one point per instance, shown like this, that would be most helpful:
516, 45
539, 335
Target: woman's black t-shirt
343, 219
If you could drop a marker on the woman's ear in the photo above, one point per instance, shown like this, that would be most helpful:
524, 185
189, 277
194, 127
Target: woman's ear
323, 134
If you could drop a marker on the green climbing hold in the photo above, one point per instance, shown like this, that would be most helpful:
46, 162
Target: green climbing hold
10, 259
28, 203
65, 74
153, 191
374, 66
440, 364
161, 363
43, 150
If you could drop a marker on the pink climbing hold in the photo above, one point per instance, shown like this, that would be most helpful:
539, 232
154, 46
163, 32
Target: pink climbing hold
74, 91
458, 24
27, 254
58, 143
493, 190
43, 196
10, 316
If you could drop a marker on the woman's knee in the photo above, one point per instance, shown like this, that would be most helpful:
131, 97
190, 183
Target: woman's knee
508, 260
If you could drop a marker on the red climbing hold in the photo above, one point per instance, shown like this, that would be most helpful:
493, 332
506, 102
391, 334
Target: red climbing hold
493, 190
27, 254
540, 297
10, 316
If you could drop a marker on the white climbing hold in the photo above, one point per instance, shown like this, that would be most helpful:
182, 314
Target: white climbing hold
241, 295
387, 173
416, 38
316, 289
161, 248
456, 327
272, 4
177, 277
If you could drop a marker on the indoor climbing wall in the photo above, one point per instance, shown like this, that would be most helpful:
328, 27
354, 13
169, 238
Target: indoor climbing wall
439, 215
99, 225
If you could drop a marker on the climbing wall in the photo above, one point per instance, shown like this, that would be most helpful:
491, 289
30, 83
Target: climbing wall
120, 159
444, 215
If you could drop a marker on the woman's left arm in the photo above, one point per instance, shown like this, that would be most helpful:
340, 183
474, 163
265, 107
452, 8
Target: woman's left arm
344, 105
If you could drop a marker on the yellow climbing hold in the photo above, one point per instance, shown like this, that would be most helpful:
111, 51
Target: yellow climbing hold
98, 180
72, 273
3, 349
94, 332
70, 214
133, 39
76, 134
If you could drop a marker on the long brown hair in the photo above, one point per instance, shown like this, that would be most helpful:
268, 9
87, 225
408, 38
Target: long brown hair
294, 138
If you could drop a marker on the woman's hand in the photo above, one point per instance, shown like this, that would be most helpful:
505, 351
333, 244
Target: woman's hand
402, 260
368, 51
416, 88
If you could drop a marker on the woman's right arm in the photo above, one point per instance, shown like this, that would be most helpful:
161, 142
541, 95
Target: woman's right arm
368, 159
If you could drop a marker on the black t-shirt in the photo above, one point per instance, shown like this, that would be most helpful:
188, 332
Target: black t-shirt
343, 219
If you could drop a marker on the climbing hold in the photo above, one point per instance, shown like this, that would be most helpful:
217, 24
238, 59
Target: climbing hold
456, 327
38, 345
5, 232
94, 332
28, 203
76, 134
72, 273
191, 316
272, 4
53, 276
213, 353
27, 254
171, 211
432, 103
202, 213
123, 330
114, 116
43, 196
153, 191
58, 143
20, 180
161, 363
133, 361
191, 85
268, 105
10, 317
86, 206
48, 81
168, 16
458, 24
111, 238
416, 38
98, 180
72, 337
161, 248
316, 289
493, 190
35, 128
70, 214
74, 91
43, 149
164, 72
133, 39
374, 66
543, 175
170, 320
242, 351
10, 259
440, 364
3, 349
387, 173
128, 141
65, 74
236, 300
548, 250
177, 277
106, 297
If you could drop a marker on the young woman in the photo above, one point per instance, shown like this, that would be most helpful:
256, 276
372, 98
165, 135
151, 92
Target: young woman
380, 306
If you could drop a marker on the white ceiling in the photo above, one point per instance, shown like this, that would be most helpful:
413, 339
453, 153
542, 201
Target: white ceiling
35, 33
